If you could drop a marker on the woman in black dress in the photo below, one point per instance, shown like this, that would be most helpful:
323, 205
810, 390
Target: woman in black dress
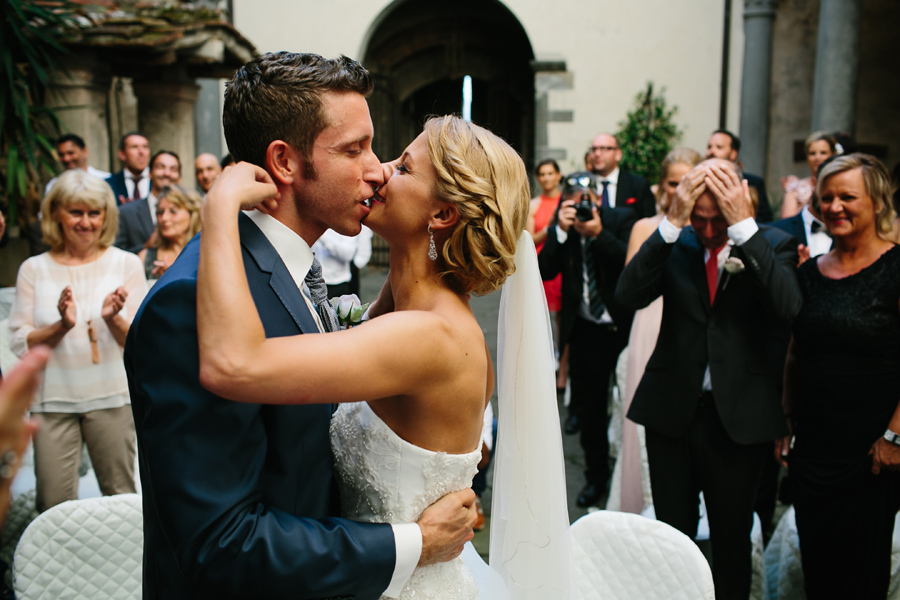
842, 387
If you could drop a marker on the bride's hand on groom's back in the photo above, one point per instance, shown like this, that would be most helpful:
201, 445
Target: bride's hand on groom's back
446, 526
241, 187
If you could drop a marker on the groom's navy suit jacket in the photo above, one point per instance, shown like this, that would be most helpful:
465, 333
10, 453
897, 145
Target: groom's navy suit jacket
237, 497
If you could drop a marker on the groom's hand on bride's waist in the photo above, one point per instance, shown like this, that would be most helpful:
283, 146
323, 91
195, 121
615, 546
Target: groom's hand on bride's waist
446, 526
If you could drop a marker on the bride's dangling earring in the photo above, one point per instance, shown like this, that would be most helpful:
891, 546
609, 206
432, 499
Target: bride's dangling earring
432, 250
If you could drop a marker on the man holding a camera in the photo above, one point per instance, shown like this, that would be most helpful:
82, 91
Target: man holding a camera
587, 245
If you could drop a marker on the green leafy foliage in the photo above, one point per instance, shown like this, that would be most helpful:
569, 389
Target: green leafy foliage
647, 134
29, 54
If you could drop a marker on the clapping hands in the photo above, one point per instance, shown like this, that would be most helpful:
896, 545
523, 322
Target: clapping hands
113, 303
66, 306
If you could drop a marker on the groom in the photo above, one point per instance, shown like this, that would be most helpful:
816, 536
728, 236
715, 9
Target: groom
239, 498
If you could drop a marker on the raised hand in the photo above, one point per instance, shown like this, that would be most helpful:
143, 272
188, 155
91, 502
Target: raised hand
159, 267
66, 306
113, 303
691, 187
446, 526
16, 392
566, 216
803, 252
240, 187
731, 193
885, 455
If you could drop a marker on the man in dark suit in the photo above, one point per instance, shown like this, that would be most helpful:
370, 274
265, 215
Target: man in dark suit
618, 188
587, 245
239, 499
725, 145
137, 220
708, 397
132, 182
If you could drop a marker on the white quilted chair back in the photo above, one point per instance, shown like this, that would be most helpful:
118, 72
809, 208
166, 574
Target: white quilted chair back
623, 556
89, 549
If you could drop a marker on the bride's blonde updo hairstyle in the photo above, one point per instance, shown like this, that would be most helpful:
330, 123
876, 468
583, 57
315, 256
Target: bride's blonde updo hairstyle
485, 179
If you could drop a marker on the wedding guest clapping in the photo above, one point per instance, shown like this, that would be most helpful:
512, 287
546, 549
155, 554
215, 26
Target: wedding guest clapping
79, 298
840, 388
177, 221
797, 192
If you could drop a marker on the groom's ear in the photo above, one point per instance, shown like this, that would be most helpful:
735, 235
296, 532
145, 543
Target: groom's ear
283, 162
446, 217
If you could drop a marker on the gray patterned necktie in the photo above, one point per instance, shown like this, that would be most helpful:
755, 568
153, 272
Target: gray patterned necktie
319, 294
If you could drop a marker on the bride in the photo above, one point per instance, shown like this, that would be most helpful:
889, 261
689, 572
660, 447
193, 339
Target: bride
413, 383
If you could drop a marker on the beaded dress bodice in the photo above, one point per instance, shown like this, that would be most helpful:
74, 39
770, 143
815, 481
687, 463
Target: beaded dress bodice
385, 479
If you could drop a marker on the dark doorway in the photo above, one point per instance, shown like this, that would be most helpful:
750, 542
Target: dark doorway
420, 51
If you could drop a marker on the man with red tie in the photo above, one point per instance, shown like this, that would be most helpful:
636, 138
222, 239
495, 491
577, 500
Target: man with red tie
708, 398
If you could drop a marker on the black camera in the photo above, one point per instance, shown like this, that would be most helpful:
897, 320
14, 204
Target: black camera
584, 210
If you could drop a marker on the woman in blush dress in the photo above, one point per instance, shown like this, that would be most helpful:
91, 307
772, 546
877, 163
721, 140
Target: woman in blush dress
819, 146
541, 215
630, 488
841, 383
413, 382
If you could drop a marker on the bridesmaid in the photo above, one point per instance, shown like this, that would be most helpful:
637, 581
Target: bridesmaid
635, 483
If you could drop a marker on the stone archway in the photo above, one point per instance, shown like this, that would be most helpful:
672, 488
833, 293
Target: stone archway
419, 53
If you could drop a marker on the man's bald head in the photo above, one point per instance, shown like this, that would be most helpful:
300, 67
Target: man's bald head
207, 170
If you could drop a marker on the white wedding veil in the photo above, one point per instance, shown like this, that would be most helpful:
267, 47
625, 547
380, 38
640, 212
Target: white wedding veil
530, 555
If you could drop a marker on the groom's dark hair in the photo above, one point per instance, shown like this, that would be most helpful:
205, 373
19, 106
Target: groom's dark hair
277, 96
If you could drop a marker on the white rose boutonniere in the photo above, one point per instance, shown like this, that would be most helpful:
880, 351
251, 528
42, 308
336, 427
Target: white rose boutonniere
349, 310
734, 265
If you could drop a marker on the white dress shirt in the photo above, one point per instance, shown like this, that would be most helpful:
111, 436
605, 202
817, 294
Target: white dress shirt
613, 180
335, 251
819, 242
297, 257
143, 184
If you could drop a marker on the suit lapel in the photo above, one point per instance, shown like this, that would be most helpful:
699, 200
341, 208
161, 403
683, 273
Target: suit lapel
145, 219
799, 229
280, 280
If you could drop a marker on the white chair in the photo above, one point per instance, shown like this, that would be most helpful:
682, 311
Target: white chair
784, 571
89, 549
623, 556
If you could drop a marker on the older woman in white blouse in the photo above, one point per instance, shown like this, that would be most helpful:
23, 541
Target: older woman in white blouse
79, 298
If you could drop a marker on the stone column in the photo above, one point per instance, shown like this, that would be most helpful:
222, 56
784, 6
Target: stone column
79, 99
208, 118
166, 117
550, 75
837, 59
759, 16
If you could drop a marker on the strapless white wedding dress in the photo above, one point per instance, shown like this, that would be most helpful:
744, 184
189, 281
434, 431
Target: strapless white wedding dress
385, 479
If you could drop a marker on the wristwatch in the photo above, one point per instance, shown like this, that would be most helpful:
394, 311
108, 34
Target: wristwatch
892, 437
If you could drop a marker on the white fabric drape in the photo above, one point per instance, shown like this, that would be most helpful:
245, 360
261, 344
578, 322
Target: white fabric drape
530, 552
